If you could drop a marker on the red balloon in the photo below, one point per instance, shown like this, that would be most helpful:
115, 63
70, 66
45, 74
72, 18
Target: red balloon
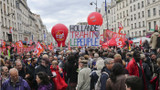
60, 33
95, 18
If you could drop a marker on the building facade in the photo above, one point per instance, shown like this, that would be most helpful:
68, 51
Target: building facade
136, 16
152, 13
26, 26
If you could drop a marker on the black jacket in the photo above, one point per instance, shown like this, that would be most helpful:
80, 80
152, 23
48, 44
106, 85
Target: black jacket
42, 68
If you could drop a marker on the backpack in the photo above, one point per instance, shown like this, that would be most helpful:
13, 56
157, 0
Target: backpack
158, 42
98, 84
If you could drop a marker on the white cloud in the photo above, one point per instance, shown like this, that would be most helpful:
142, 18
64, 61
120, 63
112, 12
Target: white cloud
68, 12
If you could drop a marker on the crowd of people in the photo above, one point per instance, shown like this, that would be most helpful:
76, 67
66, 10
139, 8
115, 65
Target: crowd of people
83, 68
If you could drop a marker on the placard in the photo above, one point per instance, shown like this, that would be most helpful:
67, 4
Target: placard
84, 35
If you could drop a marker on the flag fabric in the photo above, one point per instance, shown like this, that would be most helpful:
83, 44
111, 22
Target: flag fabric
105, 5
50, 47
19, 44
129, 47
140, 42
3, 43
30, 42
39, 49
120, 27
10, 30
69, 47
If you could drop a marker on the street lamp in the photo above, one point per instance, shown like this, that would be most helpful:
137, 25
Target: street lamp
94, 4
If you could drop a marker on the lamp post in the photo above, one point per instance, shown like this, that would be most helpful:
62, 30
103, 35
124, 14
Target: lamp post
106, 10
94, 4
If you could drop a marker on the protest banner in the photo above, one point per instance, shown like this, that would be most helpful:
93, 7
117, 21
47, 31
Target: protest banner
81, 35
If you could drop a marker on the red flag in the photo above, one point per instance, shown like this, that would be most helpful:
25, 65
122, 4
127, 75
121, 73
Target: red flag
3, 44
12, 45
39, 49
120, 27
50, 47
119, 41
140, 42
19, 44
30, 42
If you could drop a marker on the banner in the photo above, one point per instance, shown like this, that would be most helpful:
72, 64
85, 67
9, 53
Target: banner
39, 49
84, 35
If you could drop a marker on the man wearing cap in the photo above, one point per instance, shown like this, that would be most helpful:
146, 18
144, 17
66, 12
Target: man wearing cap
84, 76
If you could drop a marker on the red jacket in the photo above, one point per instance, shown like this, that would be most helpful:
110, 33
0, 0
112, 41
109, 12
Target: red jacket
132, 68
59, 82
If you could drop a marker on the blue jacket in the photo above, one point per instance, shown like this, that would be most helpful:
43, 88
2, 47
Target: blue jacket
104, 78
21, 85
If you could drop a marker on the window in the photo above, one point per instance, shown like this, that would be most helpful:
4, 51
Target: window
142, 13
154, 11
131, 8
130, 1
135, 25
139, 33
131, 26
123, 13
134, 7
132, 34
154, 24
117, 16
143, 24
139, 15
134, 16
138, 5
136, 34
142, 4
127, 12
148, 13
149, 25
144, 32
127, 22
120, 15
148, 1
127, 3
131, 17
139, 24
159, 12
153, 0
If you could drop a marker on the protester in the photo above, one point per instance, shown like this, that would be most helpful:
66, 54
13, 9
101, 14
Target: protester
21, 69
43, 81
71, 67
105, 73
31, 73
154, 41
133, 83
58, 76
117, 78
95, 74
4, 73
135, 68
15, 82
83, 76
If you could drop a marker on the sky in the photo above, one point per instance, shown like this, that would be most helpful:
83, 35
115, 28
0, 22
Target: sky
67, 12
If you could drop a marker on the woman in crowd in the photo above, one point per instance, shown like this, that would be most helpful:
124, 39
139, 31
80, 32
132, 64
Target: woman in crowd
43, 81
117, 78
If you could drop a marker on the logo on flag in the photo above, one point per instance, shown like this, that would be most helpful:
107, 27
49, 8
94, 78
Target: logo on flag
39, 49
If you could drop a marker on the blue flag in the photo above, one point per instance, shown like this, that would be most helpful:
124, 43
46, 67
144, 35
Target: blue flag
105, 5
